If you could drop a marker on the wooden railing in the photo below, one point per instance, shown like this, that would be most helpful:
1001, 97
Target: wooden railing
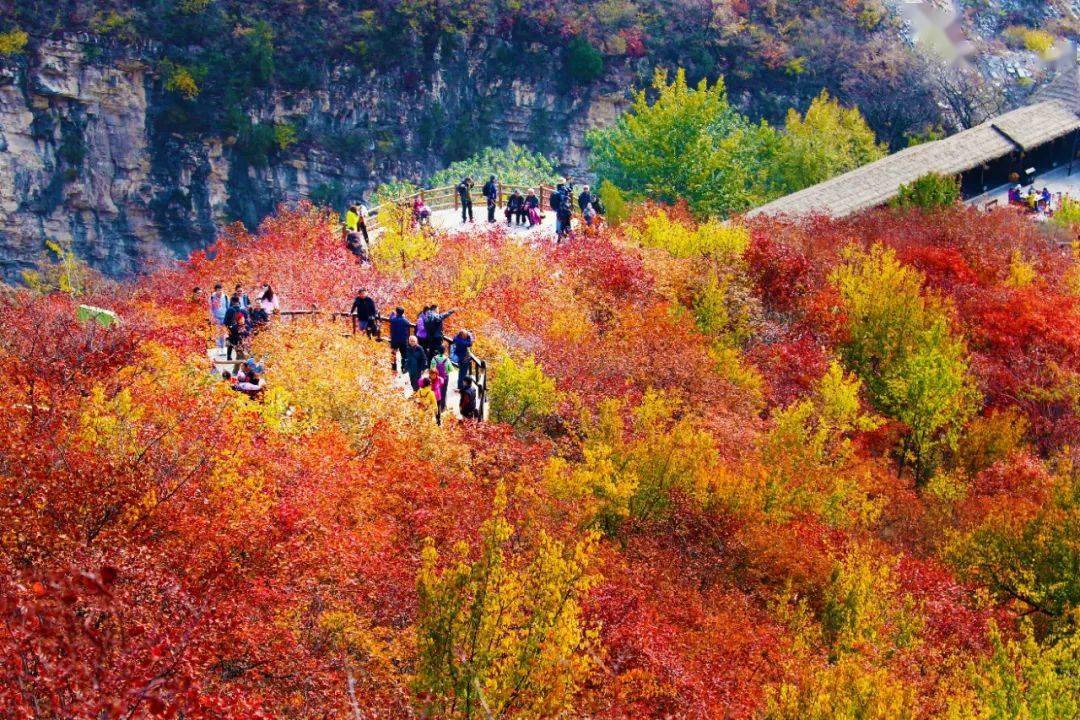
476, 367
442, 198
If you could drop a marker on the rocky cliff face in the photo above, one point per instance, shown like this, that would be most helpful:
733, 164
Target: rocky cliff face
84, 163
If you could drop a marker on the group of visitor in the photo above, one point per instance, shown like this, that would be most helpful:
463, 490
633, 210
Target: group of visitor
522, 208
235, 319
1034, 201
424, 355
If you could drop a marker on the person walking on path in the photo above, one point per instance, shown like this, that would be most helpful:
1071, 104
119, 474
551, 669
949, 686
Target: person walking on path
585, 202
399, 337
440, 363
430, 395
464, 191
363, 307
564, 214
491, 194
219, 308
361, 222
433, 325
245, 301
461, 353
414, 362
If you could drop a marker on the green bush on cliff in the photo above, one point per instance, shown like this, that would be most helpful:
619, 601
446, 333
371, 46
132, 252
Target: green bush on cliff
513, 165
13, 42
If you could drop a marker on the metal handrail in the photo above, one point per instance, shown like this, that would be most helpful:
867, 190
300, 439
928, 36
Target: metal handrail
440, 198
477, 366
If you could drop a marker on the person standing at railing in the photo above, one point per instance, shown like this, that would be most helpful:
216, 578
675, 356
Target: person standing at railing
352, 219
364, 309
361, 221
491, 194
399, 337
464, 191
433, 325
219, 308
462, 355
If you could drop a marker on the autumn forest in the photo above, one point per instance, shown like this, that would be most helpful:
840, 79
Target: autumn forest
776, 469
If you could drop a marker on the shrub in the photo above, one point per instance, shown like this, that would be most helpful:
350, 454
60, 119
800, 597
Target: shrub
583, 62
513, 165
521, 394
402, 244
929, 192
1037, 41
901, 345
1068, 215
13, 42
285, 135
179, 79
614, 203
662, 229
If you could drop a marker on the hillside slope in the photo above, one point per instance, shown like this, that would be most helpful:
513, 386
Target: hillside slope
792, 470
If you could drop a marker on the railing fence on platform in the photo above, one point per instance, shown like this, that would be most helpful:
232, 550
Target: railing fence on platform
475, 367
440, 198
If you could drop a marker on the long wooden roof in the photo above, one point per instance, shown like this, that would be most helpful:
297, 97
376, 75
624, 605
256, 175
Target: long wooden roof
878, 182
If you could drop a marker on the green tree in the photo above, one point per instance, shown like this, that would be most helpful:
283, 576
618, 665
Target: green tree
502, 638
13, 42
513, 165
901, 345
689, 143
929, 192
830, 139
1023, 679
584, 62
1036, 562
521, 394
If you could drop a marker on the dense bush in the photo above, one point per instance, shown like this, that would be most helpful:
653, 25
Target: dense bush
929, 192
687, 501
691, 144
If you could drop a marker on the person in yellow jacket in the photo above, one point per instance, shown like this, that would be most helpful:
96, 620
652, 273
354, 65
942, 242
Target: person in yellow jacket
352, 219
429, 394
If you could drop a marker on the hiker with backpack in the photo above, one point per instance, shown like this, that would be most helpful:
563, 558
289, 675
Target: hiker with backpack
461, 354
464, 191
565, 212
491, 194
469, 406
441, 365
430, 394
421, 325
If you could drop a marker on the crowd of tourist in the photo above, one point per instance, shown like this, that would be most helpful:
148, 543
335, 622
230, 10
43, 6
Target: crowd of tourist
235, 319
419, 350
